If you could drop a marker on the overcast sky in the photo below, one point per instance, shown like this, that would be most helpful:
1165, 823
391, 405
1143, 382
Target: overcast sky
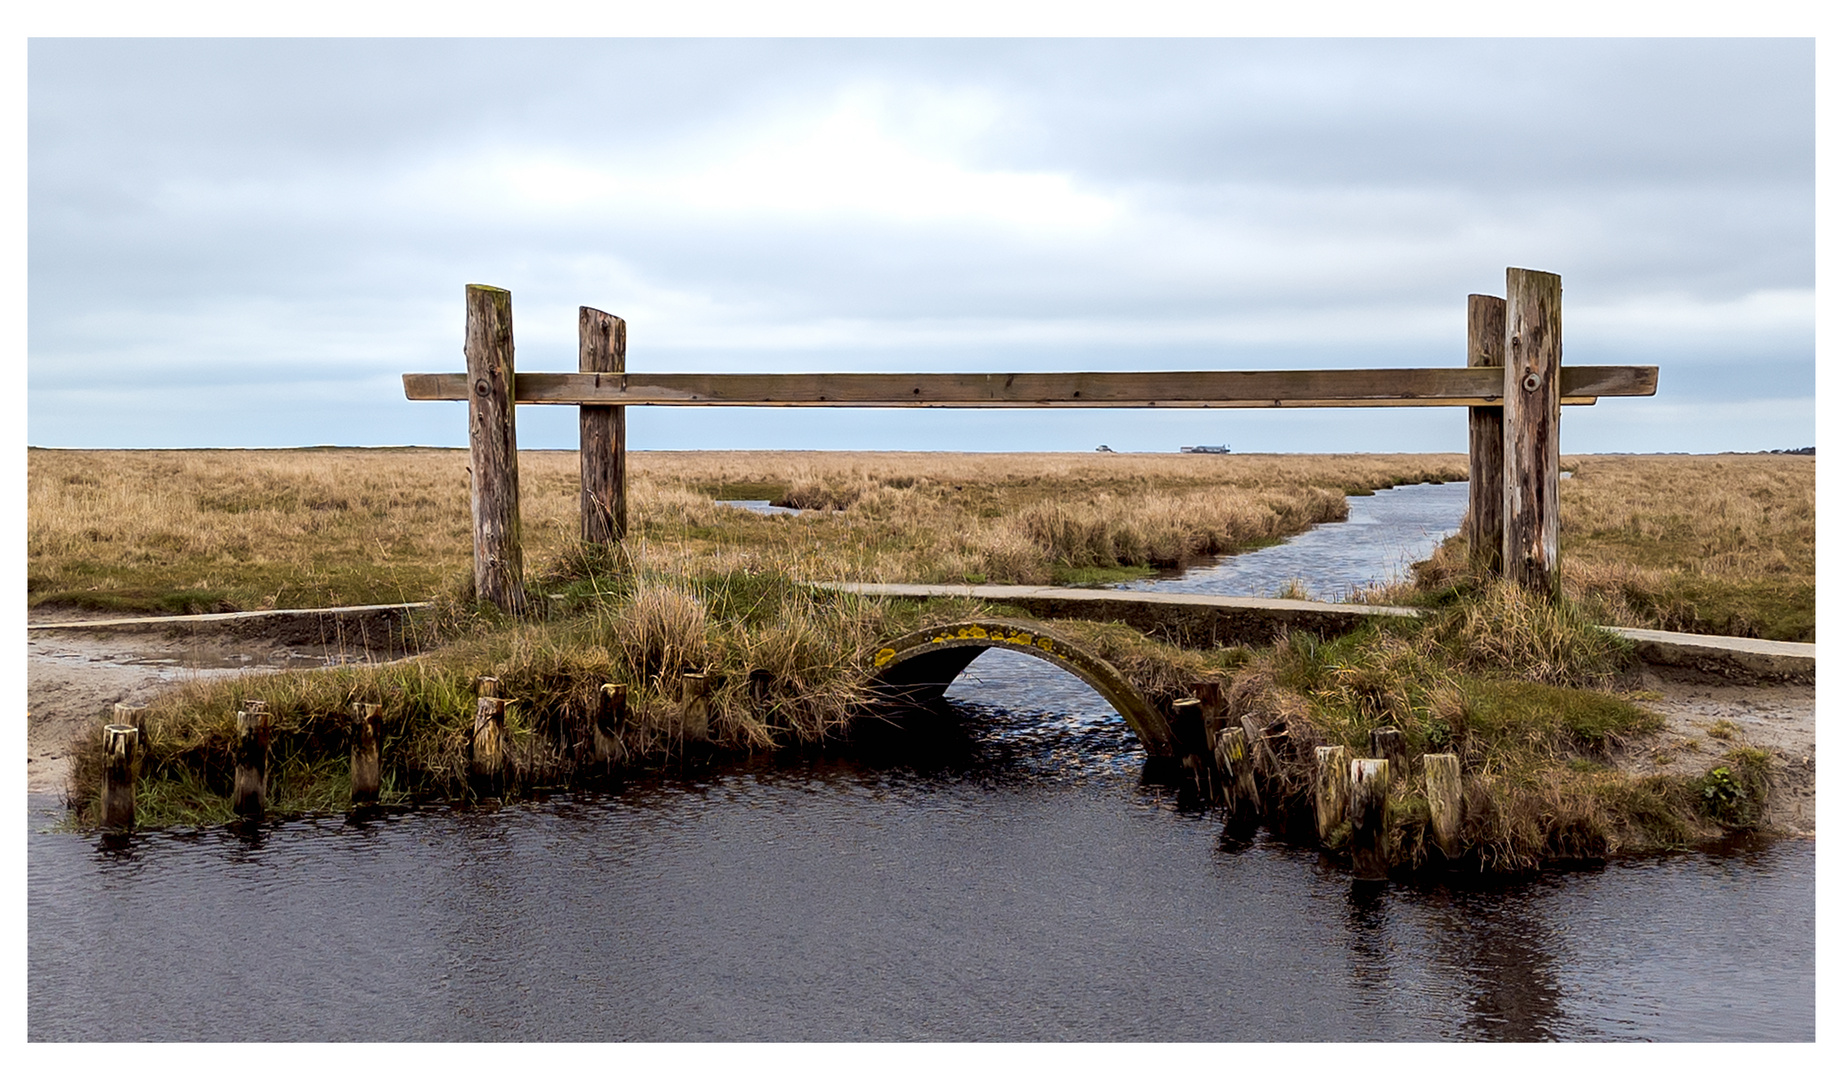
245, 243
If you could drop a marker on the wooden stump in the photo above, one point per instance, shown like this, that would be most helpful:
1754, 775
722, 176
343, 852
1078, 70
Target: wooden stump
1333, 789
250, 796
135, 716
1484, 516
1532, 429
1211, 697
1187, 727
499, 559
367, 763
1368, 816
1390, 743
1445, 800
694, 707
610, 718
602, 348
1243, 794
487, 757
119, 758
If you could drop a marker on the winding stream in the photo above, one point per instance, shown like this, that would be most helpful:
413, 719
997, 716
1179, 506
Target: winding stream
1019, 884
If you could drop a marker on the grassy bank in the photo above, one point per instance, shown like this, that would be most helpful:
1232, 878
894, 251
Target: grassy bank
1526, 694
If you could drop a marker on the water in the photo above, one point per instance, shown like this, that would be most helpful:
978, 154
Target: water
759, 506
1022, 884
1384, 534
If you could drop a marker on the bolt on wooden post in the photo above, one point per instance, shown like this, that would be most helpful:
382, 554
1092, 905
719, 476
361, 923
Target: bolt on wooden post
1484, 517
1532, 429
119, 757
499, 560
602, 348
367, 766
250, 795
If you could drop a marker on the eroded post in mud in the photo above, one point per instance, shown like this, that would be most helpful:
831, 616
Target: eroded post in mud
1368, 815
1445, 806
610, 717
486, 758
367, 766
119, 745
1332, 792
250, 797
694, 707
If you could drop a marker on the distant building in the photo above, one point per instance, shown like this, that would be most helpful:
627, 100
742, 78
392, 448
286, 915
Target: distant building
1103, 449
1202, 449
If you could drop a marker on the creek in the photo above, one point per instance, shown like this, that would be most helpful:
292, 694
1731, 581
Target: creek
1017, 882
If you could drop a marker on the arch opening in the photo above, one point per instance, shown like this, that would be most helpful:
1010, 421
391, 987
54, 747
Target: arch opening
916, 669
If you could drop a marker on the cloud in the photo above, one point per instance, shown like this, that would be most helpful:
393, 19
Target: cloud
254, 215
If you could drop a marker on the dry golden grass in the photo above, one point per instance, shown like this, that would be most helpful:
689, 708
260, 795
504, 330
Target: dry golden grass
245, 529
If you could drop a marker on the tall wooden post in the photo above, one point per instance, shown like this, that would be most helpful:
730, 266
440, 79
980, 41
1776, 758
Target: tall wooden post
602, 347
367, 768
499, 560
1445, 800
694, 706
118, 777
1484, 517
1332, 793
610, 718
1532, 429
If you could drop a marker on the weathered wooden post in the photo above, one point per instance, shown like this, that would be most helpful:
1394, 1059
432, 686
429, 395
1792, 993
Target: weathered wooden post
1532, 429
1390, 743
610, 717
601, 341
1239, 789
1368, 815
694, 706
1187, 729
250, 795
1444, 800
367, 764
1333, 789
1484, 517
486, 756
1209, 694
499, 560
119, 743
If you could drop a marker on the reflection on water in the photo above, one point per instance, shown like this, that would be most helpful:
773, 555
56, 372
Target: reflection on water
1384, 535
1026, 887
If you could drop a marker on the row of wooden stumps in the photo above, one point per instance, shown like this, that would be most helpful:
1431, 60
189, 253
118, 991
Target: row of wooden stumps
1349, 792
124, 741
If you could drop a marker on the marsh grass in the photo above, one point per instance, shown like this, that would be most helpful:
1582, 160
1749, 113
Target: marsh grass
206, 530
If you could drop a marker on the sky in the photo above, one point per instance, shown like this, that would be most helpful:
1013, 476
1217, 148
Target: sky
246, 242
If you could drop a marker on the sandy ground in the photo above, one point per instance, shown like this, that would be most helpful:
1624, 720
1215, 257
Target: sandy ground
72, 678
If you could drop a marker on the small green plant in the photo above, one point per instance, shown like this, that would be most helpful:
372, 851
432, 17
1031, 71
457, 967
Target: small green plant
1721, 792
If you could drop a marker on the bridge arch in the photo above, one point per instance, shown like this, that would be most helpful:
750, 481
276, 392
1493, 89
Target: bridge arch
920, 665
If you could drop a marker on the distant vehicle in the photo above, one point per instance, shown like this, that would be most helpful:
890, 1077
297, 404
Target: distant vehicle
1202, 449
1103, 449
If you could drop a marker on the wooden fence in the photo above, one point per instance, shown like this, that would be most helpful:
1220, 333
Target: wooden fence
1513, 384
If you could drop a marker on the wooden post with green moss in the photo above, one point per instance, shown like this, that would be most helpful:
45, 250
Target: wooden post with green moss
250, 794
1368, 815
1484, 516
367, 766
1444, 800
610, 717
1240, 791
1532, 429
118, 777
499, 560
601, 348
1332, 790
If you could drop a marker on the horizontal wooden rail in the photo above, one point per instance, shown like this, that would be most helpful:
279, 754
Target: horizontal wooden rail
1047, 390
